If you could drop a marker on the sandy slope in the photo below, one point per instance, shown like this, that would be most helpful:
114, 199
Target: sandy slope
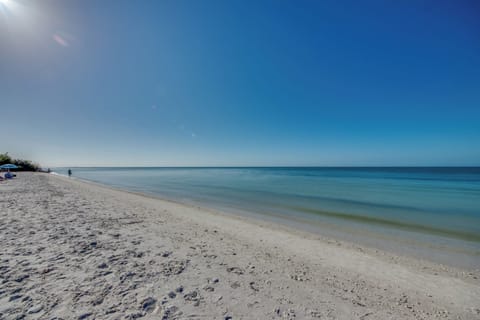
74, 250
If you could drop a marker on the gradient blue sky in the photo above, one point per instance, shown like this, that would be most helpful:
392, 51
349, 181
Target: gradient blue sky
240, 82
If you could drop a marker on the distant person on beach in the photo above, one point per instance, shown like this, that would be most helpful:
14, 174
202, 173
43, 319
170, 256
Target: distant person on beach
69, 172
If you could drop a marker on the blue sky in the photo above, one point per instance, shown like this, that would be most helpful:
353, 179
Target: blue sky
240, 82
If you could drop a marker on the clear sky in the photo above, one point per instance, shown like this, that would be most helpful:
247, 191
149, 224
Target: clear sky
113, 82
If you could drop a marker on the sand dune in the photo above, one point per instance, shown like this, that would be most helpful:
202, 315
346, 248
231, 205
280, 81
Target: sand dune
76, 250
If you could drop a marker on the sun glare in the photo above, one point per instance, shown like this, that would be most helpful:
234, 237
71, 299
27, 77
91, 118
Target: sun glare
12, 10
4, 4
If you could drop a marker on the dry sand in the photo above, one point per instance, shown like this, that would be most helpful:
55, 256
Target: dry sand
76, 250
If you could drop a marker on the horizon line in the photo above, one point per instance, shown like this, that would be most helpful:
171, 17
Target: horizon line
276, 166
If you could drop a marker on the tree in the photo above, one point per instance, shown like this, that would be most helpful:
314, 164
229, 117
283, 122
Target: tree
25, 165
5, 158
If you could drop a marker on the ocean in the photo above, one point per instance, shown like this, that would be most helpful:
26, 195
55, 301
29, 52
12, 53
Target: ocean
429, 212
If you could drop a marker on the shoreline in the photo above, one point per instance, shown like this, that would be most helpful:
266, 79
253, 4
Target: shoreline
407, 243
145, 248
267, 222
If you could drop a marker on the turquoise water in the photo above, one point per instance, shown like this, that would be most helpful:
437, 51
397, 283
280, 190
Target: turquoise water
431, 212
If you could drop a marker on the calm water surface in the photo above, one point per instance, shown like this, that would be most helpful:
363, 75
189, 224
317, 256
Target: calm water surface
433, 213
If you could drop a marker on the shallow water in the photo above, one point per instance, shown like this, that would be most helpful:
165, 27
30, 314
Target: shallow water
428, 212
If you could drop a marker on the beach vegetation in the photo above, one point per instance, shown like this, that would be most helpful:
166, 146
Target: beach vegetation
24, 165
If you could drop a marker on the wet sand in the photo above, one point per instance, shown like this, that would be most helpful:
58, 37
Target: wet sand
76, 250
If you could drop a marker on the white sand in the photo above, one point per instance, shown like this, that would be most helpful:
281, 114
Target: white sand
75, 250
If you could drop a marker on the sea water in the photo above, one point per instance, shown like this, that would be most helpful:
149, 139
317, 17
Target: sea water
432, 213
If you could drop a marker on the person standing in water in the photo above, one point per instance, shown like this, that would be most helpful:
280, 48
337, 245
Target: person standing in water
69, 172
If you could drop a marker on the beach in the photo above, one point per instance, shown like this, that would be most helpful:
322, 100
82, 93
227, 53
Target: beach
78, 250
